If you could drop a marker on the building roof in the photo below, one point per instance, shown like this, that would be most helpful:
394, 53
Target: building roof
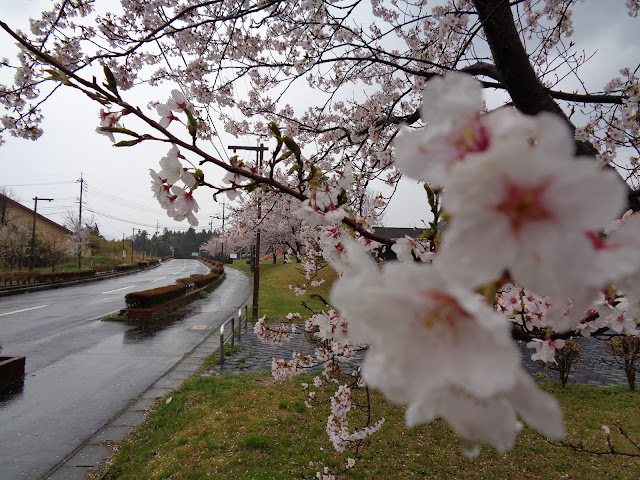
8, 201
397, 232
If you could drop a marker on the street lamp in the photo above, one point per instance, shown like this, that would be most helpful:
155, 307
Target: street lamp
33, 232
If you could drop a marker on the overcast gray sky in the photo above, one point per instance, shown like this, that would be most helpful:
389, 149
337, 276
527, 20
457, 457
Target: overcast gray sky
117, 180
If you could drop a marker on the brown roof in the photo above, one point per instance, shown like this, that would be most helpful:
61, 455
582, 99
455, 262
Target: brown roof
398, 232
9, 201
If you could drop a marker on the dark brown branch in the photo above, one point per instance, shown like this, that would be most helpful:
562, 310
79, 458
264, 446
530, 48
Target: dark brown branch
511, 60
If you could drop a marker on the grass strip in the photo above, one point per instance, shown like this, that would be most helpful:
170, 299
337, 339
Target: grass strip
250, 427
275, 298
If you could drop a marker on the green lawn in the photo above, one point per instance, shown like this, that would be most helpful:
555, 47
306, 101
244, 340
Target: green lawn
251, 427
276, 299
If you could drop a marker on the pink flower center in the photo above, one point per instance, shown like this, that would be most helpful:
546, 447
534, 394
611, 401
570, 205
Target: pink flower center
597, 242
444, 309
472, 137
524, 204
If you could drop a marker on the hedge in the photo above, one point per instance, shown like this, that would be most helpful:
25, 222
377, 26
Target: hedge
53, 277
126, 266
205, 279
20, 277
106, 267
155, 296
198, 280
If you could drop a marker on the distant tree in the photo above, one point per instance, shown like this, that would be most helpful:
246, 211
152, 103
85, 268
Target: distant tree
80, 233
52, 247
13, 245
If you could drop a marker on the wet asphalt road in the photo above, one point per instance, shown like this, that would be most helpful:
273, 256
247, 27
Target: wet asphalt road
80, 371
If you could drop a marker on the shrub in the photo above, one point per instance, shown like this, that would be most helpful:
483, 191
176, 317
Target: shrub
106, 268
626, 351
184, 281
53, 277
20, 277
154, 297
126, 267
205, 280
143, 264
567, 359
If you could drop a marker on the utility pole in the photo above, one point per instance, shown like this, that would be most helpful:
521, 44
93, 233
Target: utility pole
143, 243
223, 205
80, 226
124, 250
256, 269
33, 232
222, 249
133, 234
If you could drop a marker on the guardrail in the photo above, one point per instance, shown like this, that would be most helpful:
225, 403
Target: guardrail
232, 320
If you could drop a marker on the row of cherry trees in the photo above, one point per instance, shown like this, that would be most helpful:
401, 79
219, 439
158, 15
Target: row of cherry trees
353, 93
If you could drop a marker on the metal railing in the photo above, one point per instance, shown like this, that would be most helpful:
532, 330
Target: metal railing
231, 337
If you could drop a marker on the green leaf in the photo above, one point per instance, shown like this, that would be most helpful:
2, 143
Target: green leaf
56, 75
286, 155
278, 148
275, 130
127, 143
112, 85
294, 168
430, 195
192, 126
126, 131
98, 98
292, 145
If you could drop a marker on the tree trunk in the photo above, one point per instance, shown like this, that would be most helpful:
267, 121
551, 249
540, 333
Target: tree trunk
519, 77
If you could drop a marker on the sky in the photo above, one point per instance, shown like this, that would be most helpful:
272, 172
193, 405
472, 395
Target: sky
117, 184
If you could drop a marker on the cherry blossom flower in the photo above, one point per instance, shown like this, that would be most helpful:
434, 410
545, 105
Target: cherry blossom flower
184, 202
545, 349
525, 211
432, 345
166, 115
177, 101
158, 184
491, 419
452, 96
406, 248
108, 119
172, 169
616, 254
273, 334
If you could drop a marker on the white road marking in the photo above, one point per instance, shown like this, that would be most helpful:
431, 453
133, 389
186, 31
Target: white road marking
118, 289
23, 310
159, 279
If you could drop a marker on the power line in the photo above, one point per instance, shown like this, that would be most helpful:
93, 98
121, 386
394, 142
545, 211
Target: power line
132, 222
122, 201
38, 184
